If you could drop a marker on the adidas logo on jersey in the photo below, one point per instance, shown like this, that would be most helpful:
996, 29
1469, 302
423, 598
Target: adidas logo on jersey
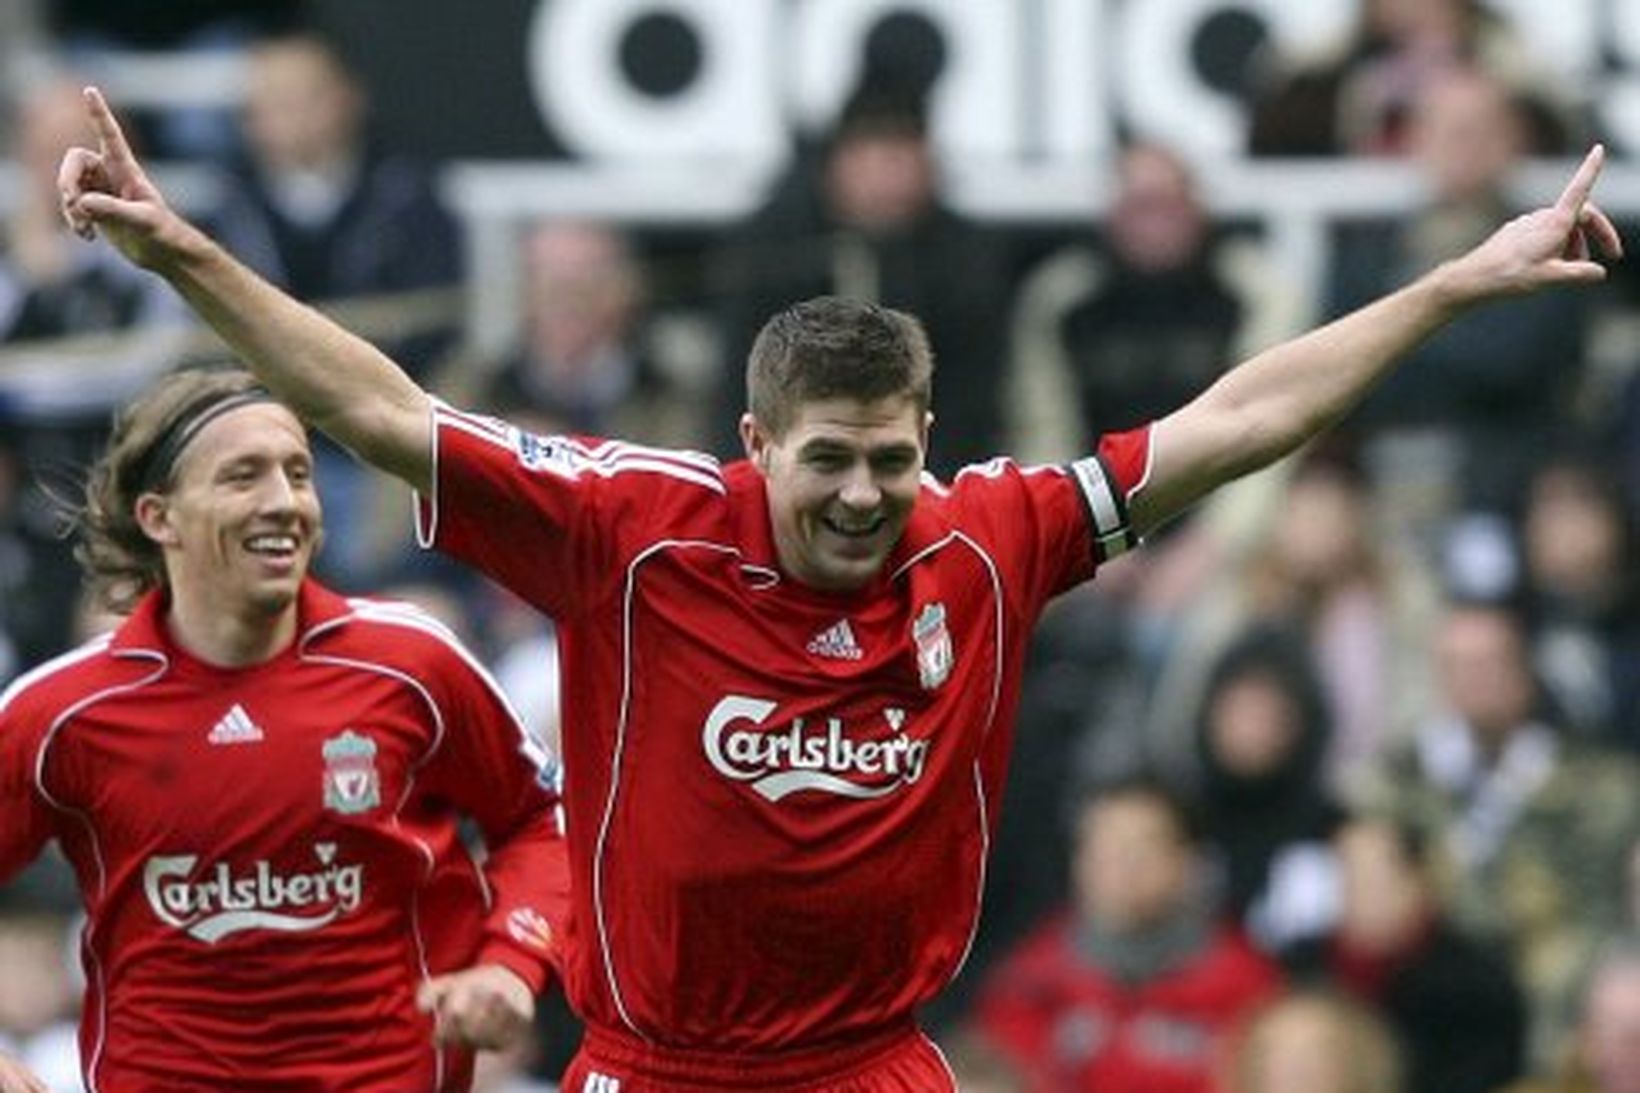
836, 641
236, 727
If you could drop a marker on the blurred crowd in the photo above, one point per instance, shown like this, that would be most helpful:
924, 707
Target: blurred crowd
1331, 788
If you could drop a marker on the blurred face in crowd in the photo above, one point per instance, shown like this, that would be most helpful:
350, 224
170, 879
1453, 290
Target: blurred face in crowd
1384, 898
1574, 537
1418, 21
880, 180
1320, 530
240, 521
1315, 1044
302, 111
1252, 724
1611, 1029
1133, 867
842, 481
1467, 134
1483, 670
50, 119
1156, 223
1296, 1049
581, 290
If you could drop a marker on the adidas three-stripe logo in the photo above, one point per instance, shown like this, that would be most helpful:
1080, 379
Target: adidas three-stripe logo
836, 641
236, 727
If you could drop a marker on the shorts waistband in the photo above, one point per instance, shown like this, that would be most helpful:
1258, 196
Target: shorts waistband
751, 1069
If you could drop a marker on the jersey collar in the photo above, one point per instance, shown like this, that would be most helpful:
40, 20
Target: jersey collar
144, 631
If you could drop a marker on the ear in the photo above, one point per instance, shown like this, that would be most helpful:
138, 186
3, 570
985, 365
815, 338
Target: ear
153, 515
755, 438
927, 427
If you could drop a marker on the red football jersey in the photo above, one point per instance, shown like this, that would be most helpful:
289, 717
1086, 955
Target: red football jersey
779, 800
269, 856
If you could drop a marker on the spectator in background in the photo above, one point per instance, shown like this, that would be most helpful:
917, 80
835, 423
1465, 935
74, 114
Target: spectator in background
52, 286
1359, 98
587, 364
1135, 989
1453, 1004
1603, 1055
55, 395
37, 574
1123, 330
1481, 397
1533, 831
95, 33
864, 220
1314, 1042
1582, 594
1261, 737
1324, 566
319, 208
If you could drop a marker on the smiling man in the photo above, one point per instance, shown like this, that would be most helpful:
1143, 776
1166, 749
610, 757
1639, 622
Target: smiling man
789, 681
258, 783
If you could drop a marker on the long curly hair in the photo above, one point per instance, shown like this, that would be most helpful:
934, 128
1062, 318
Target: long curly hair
121, 563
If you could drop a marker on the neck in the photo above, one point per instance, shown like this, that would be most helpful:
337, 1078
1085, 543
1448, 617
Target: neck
227, 639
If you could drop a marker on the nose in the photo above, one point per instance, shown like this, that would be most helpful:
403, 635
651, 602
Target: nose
860, 489
278, 493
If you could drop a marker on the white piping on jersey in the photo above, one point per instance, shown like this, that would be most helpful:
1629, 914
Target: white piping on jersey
1150, 461
428, 858
615, 763
394, 613
606, 458
162, 664
944, 1062
51, 667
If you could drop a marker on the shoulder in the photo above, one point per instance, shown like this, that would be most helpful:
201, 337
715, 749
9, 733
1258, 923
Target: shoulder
388, 632
41, 694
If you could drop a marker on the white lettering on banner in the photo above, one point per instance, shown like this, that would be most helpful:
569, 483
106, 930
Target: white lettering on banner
218, 903
808, 753
1023, 80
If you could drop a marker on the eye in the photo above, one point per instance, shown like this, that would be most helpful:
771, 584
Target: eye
828, 461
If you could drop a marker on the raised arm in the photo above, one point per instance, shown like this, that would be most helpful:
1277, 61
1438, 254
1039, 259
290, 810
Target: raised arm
1268, 406
336, 381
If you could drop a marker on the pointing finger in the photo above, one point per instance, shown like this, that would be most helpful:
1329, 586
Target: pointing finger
1577, 190
107, 127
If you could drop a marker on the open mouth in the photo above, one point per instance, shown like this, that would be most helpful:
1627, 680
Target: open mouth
276, 547
854, 529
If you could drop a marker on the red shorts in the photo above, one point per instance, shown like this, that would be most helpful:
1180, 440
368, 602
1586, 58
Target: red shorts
904, 1061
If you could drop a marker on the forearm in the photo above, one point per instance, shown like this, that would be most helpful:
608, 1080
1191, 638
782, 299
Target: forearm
1271, 404
1289, 393
333, 379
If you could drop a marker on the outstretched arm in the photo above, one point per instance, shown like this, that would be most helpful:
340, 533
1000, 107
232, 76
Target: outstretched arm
331, 378
1268, 406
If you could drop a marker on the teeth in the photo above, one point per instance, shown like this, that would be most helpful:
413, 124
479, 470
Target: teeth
271, 543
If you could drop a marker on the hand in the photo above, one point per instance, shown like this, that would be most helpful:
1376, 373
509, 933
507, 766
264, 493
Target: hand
15, 1078
107, 190
485, 1006
1550, 246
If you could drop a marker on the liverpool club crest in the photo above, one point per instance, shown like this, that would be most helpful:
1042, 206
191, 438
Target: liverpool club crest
934, 653
352, 784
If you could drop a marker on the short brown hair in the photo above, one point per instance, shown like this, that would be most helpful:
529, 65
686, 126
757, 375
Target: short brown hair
120, 562
831, 347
